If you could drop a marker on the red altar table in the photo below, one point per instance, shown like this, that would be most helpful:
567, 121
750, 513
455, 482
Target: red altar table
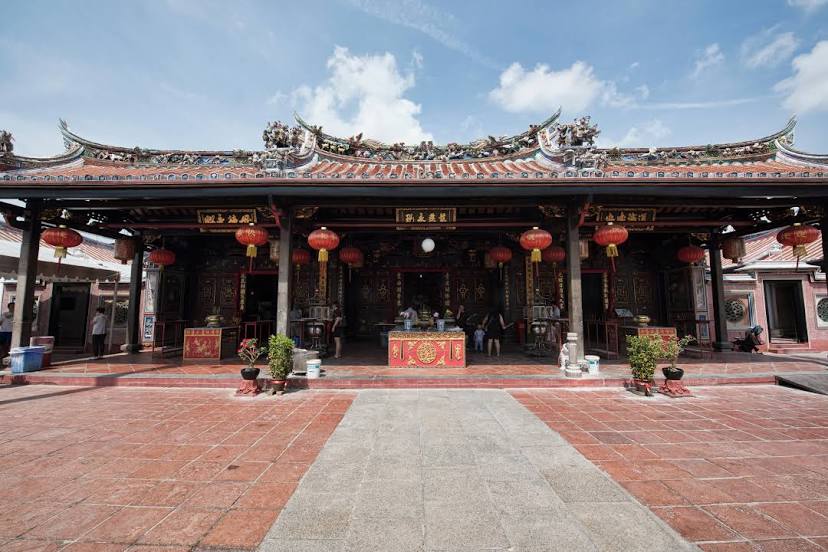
426, 349
206, 344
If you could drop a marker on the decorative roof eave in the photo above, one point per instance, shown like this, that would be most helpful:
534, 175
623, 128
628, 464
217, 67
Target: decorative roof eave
22, 162
792, 155
373, 150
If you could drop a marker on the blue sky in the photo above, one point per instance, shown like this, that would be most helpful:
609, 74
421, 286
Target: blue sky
210, 74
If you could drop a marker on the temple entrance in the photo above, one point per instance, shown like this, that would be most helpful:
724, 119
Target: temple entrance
786, 311
260, 297
422, 290
67, 321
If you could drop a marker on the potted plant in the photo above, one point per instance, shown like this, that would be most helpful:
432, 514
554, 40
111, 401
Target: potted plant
671, 349
279, 360
643, 352
249, 351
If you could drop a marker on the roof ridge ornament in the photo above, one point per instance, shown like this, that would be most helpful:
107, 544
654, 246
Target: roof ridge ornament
6, 143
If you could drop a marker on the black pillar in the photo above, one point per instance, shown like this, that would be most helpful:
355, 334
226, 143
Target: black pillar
721, 343
27, 275
283, 292
133, 341
573, 277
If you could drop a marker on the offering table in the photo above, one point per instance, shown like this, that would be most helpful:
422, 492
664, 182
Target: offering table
426, 349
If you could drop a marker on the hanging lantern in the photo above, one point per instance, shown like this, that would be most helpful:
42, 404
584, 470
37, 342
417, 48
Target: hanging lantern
351, 256
252, 236
162, 257
610, 236
300, 257
799, 235
124, 249
428, 245
554, 254
61, 238
733, 249
275, 249
535, 240
323, 240
500, 255
690, 254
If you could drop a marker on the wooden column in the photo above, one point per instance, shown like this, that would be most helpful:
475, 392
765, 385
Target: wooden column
27, 276
283, 292
573, 276
721, 343
133, 338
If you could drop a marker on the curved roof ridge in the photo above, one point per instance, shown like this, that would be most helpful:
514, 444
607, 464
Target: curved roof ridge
794, 155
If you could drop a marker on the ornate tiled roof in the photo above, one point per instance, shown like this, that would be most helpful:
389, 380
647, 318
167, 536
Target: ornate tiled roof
765, 249
550, 150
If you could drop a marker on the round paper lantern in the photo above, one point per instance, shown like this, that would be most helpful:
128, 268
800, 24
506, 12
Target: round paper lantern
733, 249
690, 254
162, 257
554, 254
300, 257
252, 236
61, 238
799, 235
610, 236
535, 240
351, 256
323, 240
428, 245
500, 254
124, 249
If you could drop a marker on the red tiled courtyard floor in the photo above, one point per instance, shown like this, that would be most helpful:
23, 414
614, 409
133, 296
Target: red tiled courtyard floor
136, 468
734, 468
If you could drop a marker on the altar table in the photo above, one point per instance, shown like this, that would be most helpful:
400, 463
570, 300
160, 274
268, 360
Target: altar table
424, 349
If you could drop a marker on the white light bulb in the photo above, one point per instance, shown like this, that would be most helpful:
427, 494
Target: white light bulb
427, 245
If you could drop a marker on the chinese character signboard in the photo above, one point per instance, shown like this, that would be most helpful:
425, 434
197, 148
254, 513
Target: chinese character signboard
426, 218
627, 215
225, 216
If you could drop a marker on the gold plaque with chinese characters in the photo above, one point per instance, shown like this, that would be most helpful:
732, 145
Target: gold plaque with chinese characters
209, 217
426, 218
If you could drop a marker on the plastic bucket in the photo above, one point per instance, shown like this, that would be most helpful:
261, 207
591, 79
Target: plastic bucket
592, 363
314, 367
26, 359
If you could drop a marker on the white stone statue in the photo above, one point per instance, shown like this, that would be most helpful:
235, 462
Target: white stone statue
563, 357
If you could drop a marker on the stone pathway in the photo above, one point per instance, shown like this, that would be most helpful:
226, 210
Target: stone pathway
452, 470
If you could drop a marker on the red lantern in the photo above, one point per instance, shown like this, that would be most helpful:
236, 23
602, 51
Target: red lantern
300, 257
798, 236
162, 257
690, 254
252, 236
500, 254
554, 254
610, 236
61, 238
535, 240
733, 249
124, 249
323, 240
351, 256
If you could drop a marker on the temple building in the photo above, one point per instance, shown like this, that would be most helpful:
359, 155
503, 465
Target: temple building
557, 234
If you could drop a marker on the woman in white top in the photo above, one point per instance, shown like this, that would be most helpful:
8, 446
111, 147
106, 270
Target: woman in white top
98, 332
6, 324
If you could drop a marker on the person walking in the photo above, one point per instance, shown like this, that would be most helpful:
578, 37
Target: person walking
99, 333
495, 325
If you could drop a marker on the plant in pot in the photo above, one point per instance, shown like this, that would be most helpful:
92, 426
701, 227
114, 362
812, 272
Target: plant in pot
671, 349
279, 360
643, 353
250, 351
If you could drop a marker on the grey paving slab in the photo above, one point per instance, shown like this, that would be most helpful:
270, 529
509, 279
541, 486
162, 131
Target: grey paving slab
458, 470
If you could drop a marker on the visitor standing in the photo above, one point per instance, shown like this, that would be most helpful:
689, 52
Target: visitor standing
6, 325
336, 329
98, 333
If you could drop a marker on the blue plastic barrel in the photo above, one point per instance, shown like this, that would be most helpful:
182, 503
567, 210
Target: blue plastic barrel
26, 359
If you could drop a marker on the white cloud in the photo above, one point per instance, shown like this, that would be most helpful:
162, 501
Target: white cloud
543, 90
634, 65
643, 91
425, 18
363, 94
709, 57
645, 135
807, 5
768, 49
807, 88
710, 104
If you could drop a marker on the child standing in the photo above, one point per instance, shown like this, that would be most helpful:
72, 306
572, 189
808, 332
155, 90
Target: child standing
479, 335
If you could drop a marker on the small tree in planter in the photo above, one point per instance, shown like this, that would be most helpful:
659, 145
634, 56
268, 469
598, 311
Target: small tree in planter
643, 352
671, 349
249, 351
279, 360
